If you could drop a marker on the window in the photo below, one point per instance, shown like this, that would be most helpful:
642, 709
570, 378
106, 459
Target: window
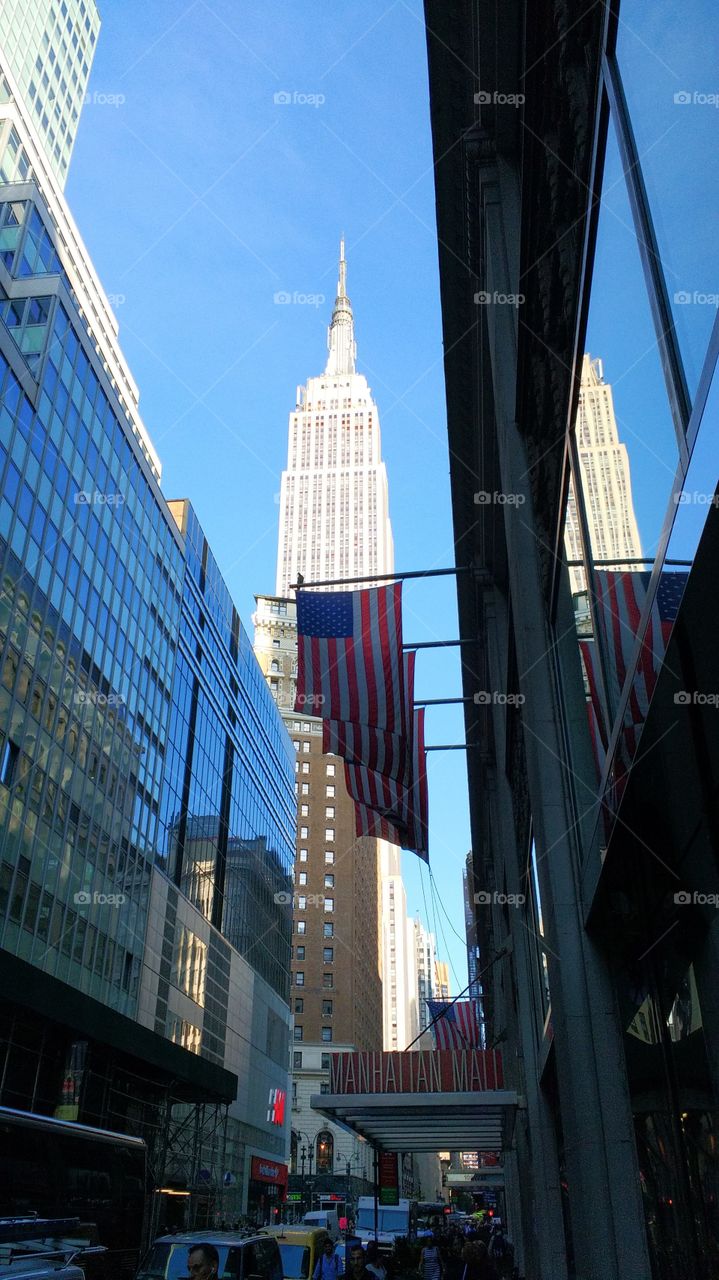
305, 788
326, 1034
295, 744
328, 929
8, 760
325, 1152
328, 955
302, 900
305, 766
330, 771
329, 856
303, 877
299, 979
300, 954
329, 904
329, 881
299, 1033
304, 832
275, 644
300, 1005
297, 1059
326, 1008
324, 1087
303, 855
330, 813
326, 1061
329, 833
330, 790
304, 810
306, 748
328, 980
301, 926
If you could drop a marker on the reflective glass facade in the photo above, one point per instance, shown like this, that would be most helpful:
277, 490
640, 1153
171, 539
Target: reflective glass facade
48, 48
228, 811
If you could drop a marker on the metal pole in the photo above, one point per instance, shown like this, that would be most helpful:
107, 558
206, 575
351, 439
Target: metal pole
439, 702
376, 1193
440, 644
381, 577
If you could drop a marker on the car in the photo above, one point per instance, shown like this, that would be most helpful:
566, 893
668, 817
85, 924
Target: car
243, 1256
300, 1248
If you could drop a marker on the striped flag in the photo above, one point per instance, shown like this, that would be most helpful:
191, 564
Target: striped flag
387, 754
402, 810
620, 600
457, 1025
349, 664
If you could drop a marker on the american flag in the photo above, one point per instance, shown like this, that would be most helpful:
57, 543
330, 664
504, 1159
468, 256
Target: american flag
388, 754
349, 663
621, 598
404, 810
458, 1027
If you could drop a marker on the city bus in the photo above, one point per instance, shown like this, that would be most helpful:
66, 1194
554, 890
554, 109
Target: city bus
57, 1169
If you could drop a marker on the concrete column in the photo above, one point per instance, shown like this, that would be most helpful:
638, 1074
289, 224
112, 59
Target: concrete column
594, 1101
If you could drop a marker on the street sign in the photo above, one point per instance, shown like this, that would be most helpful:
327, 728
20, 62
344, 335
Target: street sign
294, 1196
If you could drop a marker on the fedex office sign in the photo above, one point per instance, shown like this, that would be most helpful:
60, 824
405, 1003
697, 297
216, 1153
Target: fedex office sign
276, 1107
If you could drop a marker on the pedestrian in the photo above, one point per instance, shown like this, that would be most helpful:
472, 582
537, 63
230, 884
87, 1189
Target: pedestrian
328, 1264
358, 1270
203, 1262
374, 1263
431, 1266
477, 1264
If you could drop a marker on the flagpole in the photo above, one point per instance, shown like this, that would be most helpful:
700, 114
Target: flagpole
382, 577
499, 956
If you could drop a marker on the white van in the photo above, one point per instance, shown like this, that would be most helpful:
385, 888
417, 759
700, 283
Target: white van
326, 1218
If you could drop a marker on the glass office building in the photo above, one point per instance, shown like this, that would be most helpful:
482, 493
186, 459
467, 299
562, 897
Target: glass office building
577, 174
48, 47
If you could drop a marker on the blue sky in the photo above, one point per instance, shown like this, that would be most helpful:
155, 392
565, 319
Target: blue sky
200, 196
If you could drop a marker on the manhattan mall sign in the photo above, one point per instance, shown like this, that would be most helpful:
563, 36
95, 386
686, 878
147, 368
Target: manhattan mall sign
428, 1100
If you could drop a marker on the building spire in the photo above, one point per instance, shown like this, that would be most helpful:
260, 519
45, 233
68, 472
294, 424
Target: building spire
340, 335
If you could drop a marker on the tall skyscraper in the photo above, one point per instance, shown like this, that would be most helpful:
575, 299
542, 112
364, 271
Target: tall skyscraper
606, 480
146, 778
48, 47
334, 524
334, 503
426, 959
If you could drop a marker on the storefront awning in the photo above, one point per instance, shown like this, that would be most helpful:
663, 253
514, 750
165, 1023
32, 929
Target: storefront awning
425, 1101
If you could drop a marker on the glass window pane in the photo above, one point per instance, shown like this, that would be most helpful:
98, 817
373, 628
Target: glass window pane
670, 81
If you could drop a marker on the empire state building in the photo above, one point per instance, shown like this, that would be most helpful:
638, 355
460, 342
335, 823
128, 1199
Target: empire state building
334, 505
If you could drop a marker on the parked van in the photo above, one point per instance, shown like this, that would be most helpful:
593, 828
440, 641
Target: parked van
300, 1249
242, 1256
326, 1218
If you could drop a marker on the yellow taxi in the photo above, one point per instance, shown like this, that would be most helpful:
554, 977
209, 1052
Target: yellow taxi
300, 1249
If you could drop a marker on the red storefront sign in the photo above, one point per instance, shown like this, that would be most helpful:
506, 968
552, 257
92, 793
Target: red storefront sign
423, 1071
388, 1178
262, 1170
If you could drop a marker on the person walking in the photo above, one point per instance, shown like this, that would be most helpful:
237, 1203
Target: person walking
328, 1264
374, 1263
431, 1266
